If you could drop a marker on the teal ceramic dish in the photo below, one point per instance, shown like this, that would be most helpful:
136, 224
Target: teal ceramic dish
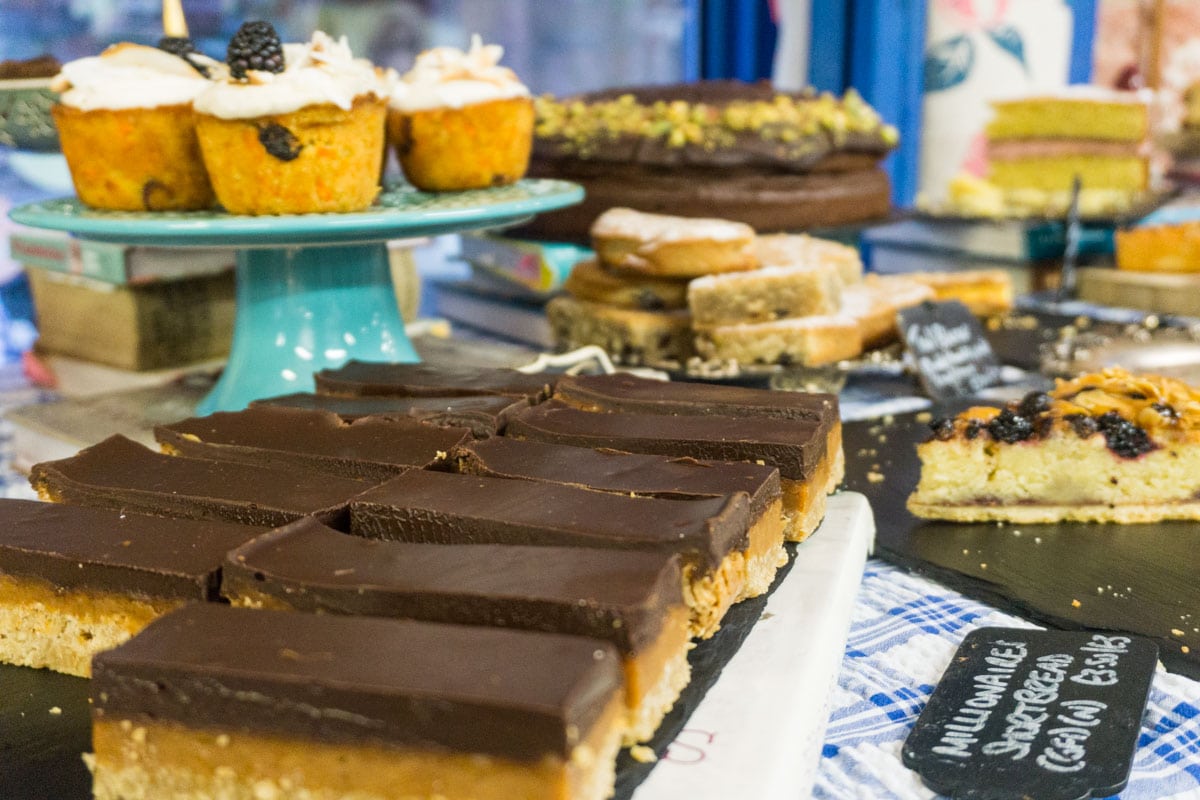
25, 121
401, 211
313, 290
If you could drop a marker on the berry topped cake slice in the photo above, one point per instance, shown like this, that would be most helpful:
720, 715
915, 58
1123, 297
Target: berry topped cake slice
1104, 447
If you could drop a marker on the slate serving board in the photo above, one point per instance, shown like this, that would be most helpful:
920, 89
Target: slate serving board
40, 748
1140, 579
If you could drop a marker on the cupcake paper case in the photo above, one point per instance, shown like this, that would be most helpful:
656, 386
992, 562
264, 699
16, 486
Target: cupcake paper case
127, 129
307, 139
461, 121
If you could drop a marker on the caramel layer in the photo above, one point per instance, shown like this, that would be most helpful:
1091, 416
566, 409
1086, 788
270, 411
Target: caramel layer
804, 501
765, 554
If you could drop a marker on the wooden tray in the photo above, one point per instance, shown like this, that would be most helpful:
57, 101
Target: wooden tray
1133, 578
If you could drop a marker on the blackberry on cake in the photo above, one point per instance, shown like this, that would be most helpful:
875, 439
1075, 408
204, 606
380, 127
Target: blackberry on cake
255, 46
294, 128
1110, 446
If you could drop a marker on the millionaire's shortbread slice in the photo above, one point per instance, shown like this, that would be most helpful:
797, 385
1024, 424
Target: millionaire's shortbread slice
75, 581
664, 245
122, 475
798, 249
1105, 447
384, 379
218, 702
800, 449
591, 282
630, 598
626, 392
647, 476
483, 415
623, 392
764, 294
371, 449
629, 335
710, 533
803, 341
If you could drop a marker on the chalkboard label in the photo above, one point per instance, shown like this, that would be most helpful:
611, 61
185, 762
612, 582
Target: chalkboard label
953, 358
1052, 715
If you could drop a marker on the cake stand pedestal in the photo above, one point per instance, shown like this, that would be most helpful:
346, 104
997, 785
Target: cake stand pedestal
313, 290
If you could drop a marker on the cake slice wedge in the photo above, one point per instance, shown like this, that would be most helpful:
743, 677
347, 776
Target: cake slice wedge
1105, 447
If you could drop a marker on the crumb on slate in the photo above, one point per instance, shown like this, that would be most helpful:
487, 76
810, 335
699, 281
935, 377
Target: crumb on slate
642, 754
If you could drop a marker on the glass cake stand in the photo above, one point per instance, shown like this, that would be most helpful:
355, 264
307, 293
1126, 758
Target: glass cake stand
313, 290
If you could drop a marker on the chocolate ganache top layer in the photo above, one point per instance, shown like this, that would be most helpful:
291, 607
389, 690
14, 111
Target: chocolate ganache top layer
622, 596
121, 474
335, 678
794, 448
612, 471
372, 449
75, 547
624, 392
721, 124
368, 378
483, 415
439, 507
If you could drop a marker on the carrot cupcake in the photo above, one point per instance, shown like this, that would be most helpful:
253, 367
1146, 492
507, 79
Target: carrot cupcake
294, 128
127, 129
461, 121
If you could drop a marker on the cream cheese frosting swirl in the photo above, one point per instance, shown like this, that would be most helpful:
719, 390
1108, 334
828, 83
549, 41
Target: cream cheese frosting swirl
320, 72
129, 76
446, 77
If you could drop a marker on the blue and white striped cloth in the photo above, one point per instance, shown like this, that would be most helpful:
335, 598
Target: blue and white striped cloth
904, 631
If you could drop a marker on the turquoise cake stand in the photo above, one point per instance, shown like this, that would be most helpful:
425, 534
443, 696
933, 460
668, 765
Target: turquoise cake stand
313, 290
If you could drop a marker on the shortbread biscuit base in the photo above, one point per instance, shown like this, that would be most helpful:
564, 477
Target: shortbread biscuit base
764, 294
659, 244
629, 335
147, 759
42, 626
742, 574
591, 282
806, 341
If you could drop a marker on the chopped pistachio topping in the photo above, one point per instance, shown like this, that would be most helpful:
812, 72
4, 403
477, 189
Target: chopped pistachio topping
786, 120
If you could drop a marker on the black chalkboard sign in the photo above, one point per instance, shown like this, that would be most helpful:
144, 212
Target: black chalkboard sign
1052, 715
952, 357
